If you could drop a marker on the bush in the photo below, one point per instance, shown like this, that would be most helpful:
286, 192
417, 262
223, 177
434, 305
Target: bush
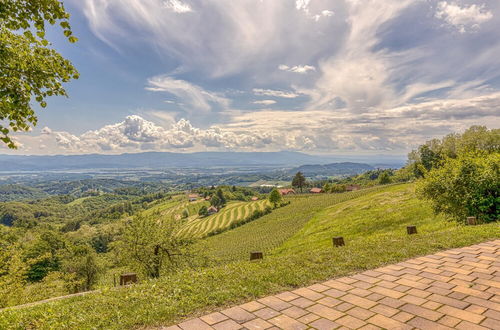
466, 186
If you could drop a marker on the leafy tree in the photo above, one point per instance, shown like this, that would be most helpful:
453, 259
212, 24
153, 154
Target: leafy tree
185, 214
215, 201
466, 186
203, 211
221, 196
275, 197
81, 260
384, 178
327, 187
338, 188
299, 181
29, 68
153, 244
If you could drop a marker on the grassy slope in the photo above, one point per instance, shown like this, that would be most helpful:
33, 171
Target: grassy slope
273, 229
374, 228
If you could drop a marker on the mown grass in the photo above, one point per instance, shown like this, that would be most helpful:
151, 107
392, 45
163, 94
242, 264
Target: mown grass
374, 228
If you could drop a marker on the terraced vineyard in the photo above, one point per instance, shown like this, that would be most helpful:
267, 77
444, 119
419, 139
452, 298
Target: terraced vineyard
233, 212
270, 231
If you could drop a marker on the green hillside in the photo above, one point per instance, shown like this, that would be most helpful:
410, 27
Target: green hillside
373, 225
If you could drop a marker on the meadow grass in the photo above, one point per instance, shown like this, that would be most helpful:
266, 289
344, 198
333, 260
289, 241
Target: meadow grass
372, 224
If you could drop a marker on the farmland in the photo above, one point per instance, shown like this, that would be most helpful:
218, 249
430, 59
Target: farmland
232, 213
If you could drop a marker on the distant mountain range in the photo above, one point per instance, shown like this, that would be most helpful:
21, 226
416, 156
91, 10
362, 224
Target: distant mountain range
159, 160
345, 168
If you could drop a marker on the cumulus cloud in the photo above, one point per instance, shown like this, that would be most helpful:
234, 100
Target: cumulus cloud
275, 93
463, 18
197, 99
265, 102
395, 130
297, 68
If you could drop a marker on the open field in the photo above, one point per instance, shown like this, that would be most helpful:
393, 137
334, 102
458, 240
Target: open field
372, 224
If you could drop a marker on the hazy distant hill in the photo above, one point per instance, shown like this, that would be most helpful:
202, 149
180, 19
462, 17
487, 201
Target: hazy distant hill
158, 160
334, 169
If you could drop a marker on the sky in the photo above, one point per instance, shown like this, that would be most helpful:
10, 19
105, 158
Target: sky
336, 77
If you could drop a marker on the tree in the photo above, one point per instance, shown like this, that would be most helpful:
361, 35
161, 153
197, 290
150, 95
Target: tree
81, 260
153, 244
384, 178
465, 186
275, 197
203, 211
327, 187
299, 181
221, 196
29, 68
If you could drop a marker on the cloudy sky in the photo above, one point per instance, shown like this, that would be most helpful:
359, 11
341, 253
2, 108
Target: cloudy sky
318, 76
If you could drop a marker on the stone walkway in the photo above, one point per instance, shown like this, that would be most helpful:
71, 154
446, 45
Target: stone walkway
454, 289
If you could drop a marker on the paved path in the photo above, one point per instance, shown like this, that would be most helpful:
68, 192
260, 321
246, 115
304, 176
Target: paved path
454, 289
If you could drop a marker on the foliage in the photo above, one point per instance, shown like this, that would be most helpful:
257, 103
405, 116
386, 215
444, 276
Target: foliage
299, 181
384, 178
153, 244
465, 186
203, 211
433, 153
275, 197
29, 68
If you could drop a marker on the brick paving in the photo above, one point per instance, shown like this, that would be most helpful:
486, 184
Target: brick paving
454, 289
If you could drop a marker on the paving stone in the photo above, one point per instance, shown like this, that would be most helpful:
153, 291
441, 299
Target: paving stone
308, 293
306, 319
387, 323
350, 322
358, 301
403, 317
266, 313
326, 312
194, 324
274, 303
422, 312
461, 314
318, 287
287, 296
449, 321
422, 323
227, 325
252, 306
238, 314
214, 318
384, 310
285, 322
302, 302
257, 324
328, 301
324, 324
294, 312
360, 313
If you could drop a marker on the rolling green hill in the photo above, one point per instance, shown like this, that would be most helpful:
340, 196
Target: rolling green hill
296, 241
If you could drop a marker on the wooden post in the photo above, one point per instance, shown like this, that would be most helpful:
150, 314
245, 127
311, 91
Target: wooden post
471, 221
256, 255
129, 278
411, 230
338, 241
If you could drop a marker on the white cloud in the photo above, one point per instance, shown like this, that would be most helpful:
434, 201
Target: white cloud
197, 99
463, 18
275, 93
265, 102
297, 68
395, 130
178, 6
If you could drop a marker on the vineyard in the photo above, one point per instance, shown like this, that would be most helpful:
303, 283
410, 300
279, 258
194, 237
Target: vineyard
232, 213
270, 231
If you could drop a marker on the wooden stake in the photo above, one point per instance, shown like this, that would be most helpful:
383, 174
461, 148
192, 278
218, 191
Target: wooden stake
411, 230
338, 241
256, 255
471, 221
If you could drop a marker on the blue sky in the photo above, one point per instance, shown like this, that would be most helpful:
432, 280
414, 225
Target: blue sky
318, 76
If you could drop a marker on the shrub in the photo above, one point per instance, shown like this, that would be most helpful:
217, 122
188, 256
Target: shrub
465, 186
